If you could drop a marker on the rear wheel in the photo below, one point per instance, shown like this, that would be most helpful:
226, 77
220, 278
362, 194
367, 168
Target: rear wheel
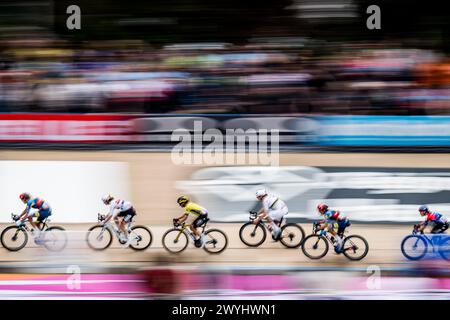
292, 235
141, 238
414, 247
252, 235
55, 238
215, 241
444, 248
355, 247
175, 240
14, 238
315, 246
99, 238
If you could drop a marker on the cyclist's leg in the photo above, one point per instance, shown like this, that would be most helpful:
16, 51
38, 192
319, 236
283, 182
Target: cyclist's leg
34, 224
342, 225
195, 225
437, 228
335, 234
273, 217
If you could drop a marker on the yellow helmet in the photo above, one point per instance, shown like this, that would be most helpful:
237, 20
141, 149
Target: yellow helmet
182, 200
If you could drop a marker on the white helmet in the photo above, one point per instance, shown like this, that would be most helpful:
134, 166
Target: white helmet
107, 198
261, 192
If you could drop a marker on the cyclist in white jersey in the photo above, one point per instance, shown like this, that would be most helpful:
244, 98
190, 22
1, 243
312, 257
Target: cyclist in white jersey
121, 211
273, 211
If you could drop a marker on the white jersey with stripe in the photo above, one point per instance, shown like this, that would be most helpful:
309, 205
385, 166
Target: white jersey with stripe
117, 206
273, 203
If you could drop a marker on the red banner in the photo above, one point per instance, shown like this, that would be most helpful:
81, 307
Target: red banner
65, 128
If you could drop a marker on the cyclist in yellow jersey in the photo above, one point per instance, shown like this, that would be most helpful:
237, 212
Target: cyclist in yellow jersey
198, 214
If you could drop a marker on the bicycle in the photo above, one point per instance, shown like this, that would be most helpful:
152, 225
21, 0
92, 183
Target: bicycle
176, 240
53, 238
350, 246
419, 242
253, 235
100, 237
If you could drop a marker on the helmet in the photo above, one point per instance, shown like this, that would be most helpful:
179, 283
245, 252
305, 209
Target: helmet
261, 193
322, 207
423, 209
182, 200
24, 196
107, 198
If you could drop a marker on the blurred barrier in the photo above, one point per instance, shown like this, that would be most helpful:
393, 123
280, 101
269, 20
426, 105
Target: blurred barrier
383, 131
65, 128
160, 129
317, 131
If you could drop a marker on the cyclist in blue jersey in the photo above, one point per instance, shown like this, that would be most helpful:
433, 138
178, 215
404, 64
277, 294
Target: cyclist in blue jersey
333, 220
43, 211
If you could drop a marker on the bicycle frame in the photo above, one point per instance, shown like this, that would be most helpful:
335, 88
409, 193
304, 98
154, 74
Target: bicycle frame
24, 226
184, 228
325, 234
254, 216
112, 227
429, 239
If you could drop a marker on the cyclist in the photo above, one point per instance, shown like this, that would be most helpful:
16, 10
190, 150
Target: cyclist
199, 214
273, 211
333, 220
437, 221
122, 212
43, 212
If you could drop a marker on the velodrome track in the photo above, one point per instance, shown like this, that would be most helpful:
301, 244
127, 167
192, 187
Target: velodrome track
384, 251
151, 183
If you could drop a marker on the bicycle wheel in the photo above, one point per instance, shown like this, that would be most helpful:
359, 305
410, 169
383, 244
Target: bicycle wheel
252, 235
292, 235
99, 238
315, 246
14, 238
54, 238
355, 247
215, 241
444, 248
141, 238
414, 247
175, 240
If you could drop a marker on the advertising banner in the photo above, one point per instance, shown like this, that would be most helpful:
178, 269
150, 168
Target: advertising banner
383, 131
65, 128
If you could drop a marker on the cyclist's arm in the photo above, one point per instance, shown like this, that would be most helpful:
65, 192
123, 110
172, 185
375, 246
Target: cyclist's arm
111, 214
422, 226
183, 218
23, 215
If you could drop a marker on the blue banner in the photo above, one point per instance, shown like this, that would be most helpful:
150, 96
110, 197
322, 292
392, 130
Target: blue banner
382, 131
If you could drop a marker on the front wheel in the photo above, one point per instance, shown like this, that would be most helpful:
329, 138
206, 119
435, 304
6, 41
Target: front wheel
175, 240
355, 247
252, 235
55, 238
99, 238
292, 235
414, 247
141, 238
14, 238
215, 241
315, 246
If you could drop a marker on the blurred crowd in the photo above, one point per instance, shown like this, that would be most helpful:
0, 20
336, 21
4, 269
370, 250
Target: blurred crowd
40, 72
